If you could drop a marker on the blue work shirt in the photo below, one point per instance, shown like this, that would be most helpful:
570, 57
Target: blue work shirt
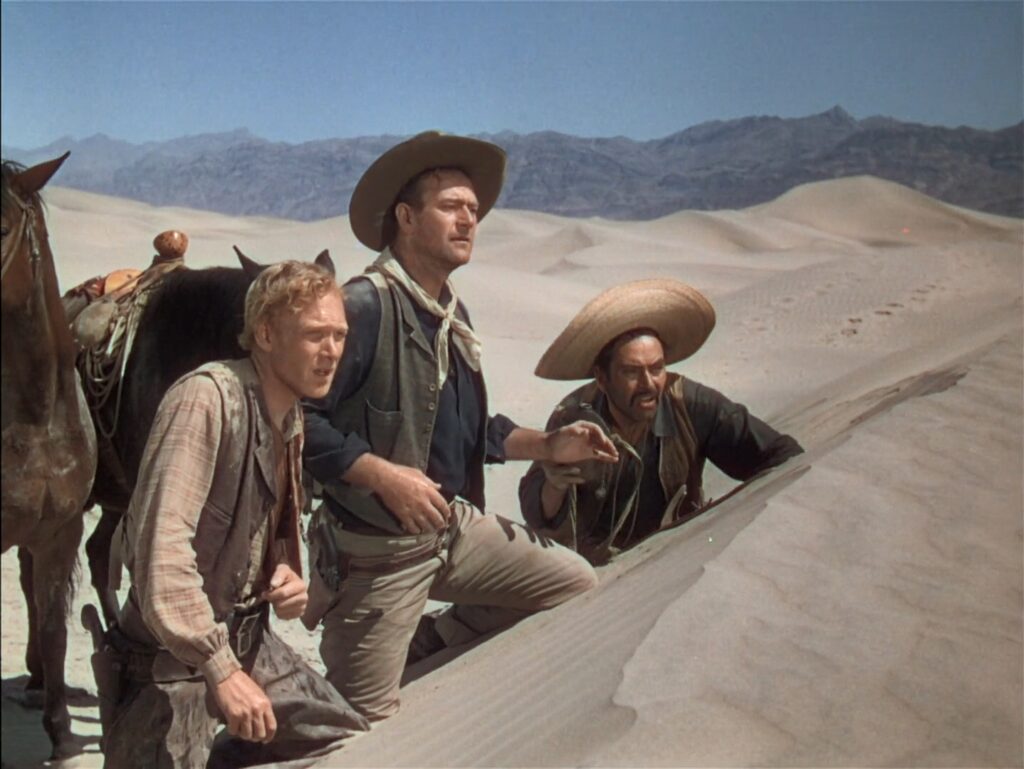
328, 453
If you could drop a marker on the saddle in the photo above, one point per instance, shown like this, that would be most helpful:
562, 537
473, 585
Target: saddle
105, 327
91, 305
105, 332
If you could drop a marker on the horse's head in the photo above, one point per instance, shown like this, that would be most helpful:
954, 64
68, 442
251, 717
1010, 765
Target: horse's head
25, 246
38, 350
253, 268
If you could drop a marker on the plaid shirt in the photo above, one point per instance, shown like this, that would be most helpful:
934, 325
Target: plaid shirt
175, 478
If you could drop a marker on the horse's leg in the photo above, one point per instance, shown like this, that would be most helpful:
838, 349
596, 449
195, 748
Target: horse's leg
51, 574
97, 548
33, 661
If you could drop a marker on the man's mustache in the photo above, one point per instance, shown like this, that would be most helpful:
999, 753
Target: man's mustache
644, 394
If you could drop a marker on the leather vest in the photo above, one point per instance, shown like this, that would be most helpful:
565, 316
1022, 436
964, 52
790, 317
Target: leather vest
242, 495
680, 470
395, 408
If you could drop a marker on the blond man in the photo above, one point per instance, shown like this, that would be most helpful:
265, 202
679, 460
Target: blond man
211, 541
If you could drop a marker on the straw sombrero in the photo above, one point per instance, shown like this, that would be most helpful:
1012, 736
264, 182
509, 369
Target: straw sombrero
680, 314
482, 162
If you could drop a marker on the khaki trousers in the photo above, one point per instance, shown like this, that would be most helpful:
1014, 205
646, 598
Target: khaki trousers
494, 570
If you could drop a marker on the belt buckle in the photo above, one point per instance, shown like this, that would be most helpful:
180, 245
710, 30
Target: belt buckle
245, 636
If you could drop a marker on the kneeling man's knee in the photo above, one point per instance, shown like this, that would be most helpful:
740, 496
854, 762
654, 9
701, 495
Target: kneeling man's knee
577, 576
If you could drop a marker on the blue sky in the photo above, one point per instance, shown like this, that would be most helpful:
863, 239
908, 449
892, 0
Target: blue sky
292, 71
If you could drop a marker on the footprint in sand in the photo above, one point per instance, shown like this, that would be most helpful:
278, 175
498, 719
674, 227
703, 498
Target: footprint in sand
894, 304
848, 331
883, 312
855, 320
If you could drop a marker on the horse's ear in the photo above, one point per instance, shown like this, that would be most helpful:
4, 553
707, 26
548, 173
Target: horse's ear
325, 261
33, 179
251, 268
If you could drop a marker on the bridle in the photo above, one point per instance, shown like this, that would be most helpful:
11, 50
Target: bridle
28, 221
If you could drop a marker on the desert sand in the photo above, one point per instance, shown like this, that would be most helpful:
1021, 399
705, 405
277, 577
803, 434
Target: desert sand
862, 605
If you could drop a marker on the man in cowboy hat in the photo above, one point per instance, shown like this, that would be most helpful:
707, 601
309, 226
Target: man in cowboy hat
400, 442
665, 426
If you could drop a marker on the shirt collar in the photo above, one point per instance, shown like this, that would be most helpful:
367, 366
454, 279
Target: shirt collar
292, 425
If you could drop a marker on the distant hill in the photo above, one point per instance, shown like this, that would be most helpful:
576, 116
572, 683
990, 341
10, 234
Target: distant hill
715, 165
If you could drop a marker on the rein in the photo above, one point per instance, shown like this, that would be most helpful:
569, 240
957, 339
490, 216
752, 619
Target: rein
28, 221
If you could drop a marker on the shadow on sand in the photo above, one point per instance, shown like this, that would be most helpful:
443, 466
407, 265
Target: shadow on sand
24, 743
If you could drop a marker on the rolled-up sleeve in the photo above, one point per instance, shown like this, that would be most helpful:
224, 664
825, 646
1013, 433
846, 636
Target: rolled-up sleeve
327, 452
175, 477
498, 428
736, 441
531, 485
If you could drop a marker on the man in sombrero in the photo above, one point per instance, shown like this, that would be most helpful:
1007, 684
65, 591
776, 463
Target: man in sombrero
664, 425
399, 443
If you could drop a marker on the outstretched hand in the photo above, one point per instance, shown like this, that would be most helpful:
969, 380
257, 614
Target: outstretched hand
580, 441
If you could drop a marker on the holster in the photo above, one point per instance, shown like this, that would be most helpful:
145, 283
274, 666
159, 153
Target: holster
109, 670
331, 565
335, 565
333, 568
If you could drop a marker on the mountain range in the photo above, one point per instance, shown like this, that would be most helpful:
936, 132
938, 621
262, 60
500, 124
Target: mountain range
715, 165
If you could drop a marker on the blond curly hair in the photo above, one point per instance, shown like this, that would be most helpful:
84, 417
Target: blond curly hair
286, 286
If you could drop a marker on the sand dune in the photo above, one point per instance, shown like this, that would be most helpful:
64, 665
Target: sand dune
850, 610
880, 212
861, 606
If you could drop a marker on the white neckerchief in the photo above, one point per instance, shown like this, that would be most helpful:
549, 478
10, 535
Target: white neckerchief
466, 341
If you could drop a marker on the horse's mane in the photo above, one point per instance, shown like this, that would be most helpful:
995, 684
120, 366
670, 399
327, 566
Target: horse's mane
8, 170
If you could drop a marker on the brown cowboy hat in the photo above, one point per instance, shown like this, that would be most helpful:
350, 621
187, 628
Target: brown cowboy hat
680, 314
482, 162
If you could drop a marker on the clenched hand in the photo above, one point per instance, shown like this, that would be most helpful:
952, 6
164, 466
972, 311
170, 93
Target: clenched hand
287, 593
246, 708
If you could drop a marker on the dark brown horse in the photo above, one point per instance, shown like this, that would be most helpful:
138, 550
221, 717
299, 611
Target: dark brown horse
49, 446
